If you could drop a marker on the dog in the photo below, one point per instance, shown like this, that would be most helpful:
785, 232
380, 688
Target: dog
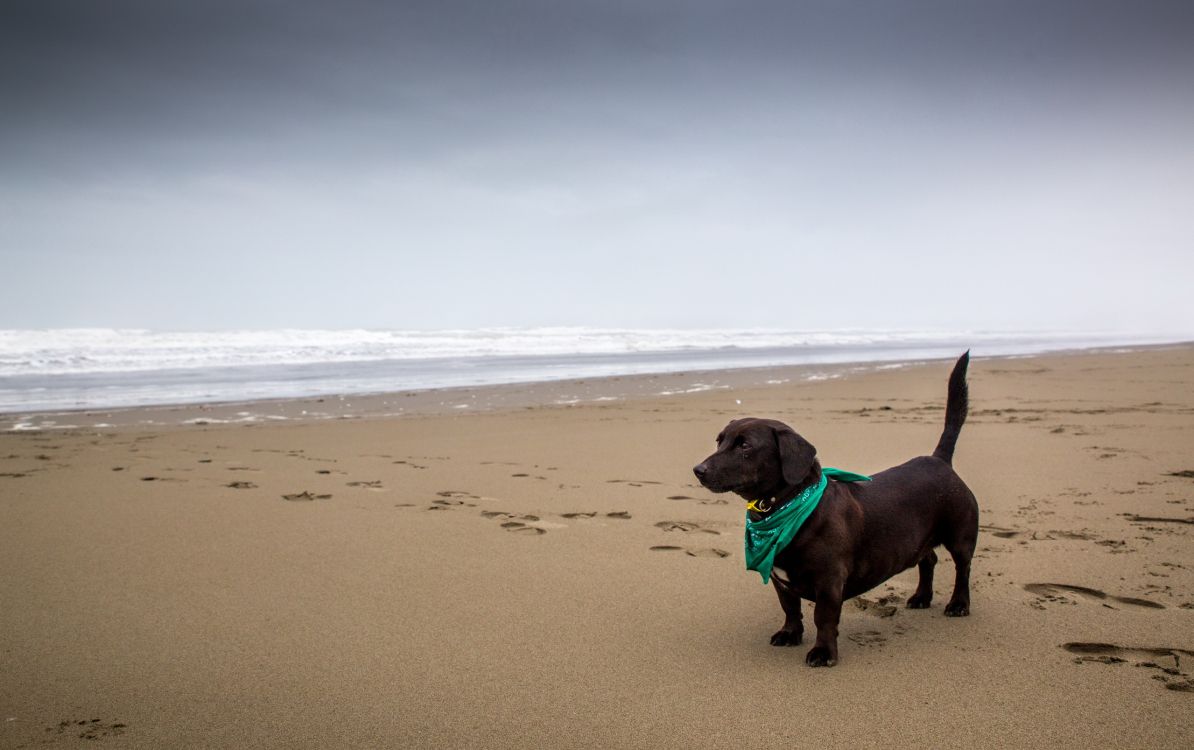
860, 533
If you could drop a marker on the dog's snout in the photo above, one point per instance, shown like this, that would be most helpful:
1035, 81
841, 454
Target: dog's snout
700, 470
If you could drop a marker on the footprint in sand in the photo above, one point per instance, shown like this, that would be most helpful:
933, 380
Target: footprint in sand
450, 498
621, 515
701, 500
454, 494
1164, 659
1000, 532
1037, 536
696, 552
241, 485
1156, 519
883, 607
369, 485
1056, 592
632, 482
305, 496
519, 527
579, 514
684, 526
519, 523
12, 474
868, 638
1065, 534
89, 729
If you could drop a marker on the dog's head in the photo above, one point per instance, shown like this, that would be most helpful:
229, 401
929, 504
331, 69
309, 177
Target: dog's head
757, 458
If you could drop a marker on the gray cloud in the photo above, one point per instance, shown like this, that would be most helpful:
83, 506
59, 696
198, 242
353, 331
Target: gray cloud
569, 153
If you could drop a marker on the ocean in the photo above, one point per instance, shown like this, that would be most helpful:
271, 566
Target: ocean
101, 368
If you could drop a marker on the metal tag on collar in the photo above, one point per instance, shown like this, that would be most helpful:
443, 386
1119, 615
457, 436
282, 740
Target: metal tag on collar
757, 507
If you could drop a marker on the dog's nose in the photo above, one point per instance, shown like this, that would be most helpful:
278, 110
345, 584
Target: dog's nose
700, 470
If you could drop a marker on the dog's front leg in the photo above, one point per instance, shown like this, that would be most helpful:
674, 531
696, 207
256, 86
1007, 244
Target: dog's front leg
826, 614
793, 630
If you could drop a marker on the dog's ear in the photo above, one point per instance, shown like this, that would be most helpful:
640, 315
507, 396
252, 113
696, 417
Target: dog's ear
722, 435
796, 455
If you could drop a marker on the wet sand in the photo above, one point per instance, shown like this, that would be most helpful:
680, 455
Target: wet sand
538, 568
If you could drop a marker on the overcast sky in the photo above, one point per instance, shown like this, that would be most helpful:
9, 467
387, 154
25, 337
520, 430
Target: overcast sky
953, 164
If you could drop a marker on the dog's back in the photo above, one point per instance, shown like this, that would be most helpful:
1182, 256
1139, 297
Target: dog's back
911, 508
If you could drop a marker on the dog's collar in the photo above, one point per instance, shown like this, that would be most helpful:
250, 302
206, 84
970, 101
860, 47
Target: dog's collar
766, 537
758, 505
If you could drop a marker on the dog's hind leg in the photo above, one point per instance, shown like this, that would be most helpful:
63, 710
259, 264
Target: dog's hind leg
962, 551
793, 630
924, 590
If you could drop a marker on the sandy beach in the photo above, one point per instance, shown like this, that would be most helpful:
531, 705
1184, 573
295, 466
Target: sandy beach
535, 566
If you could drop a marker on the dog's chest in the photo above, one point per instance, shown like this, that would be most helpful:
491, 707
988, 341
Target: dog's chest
789, 579
794, 572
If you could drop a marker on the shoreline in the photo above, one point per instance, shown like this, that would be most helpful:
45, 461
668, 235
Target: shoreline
467, 399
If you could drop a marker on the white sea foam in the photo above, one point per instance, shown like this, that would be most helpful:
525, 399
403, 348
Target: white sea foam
56, 369
107, 350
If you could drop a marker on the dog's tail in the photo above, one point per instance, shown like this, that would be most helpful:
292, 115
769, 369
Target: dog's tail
955, 410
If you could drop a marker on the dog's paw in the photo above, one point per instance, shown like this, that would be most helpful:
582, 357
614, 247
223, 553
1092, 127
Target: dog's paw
787, 638
919, 601
819, 656
957, 609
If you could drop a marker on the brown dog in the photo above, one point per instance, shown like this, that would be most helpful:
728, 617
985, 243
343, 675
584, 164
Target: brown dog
860, 534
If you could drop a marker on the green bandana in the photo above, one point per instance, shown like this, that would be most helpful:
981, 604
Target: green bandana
770, 534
